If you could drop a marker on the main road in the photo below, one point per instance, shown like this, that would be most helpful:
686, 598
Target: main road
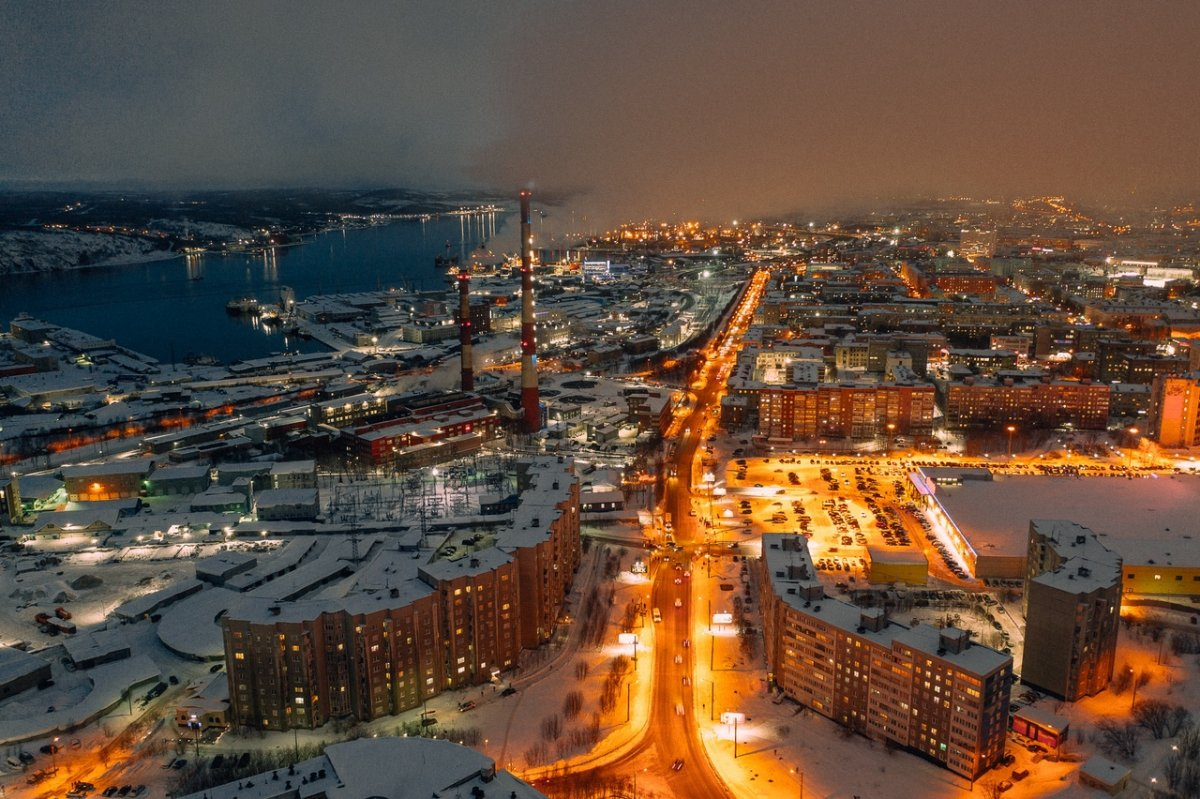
671, 746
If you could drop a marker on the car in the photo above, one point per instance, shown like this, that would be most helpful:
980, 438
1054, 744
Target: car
463, 707
112, 789
678, 660
678, 602
1004, 785
678, 581
125, 789
687, 642
509, 691
47, 749
686, 681
84, 786
216, 668
173, 680
1036, 748
679, 709
138, 791
677, 765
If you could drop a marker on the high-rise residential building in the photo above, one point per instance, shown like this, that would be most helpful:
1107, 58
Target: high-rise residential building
929, 690
1175, 410
403, 629
1072, 610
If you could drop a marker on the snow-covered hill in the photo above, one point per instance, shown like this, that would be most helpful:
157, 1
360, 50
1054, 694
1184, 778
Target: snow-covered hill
25, 251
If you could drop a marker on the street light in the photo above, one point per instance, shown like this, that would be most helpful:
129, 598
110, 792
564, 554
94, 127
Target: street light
194, 726
891, 428
1011, 429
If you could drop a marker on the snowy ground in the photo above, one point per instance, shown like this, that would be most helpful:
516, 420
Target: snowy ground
48, 251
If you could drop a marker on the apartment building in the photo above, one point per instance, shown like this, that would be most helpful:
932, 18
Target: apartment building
846, 410
931, 691
1175, 410
405, 629
975, 402
1072, 606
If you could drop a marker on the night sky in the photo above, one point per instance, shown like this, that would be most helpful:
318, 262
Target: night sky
636, 108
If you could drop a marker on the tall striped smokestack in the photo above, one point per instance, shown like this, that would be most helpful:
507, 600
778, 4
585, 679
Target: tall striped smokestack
464, 330
529, 386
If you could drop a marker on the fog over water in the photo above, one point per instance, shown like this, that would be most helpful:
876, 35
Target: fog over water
631, 108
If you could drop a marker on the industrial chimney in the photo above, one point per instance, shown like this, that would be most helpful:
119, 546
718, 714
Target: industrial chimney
464, 330
529, 386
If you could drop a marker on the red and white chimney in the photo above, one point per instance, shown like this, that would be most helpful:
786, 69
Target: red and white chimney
530, 405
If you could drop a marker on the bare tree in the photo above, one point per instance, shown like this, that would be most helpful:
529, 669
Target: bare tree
1181, 719
991, 788
572, 704
1120, 740
1154, 715
552, 727
1122, 681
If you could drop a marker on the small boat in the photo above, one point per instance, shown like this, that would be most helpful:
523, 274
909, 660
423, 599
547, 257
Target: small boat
242, 305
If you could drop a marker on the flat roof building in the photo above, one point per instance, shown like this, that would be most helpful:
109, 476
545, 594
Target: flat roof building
1072, 610
929, 690
387, 768
388, 635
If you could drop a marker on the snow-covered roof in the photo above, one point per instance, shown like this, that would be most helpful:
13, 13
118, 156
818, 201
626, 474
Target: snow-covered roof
121, 467
388, 768
285, 497
1104, 771
994, 515
15, 664
99, 644
793, 579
